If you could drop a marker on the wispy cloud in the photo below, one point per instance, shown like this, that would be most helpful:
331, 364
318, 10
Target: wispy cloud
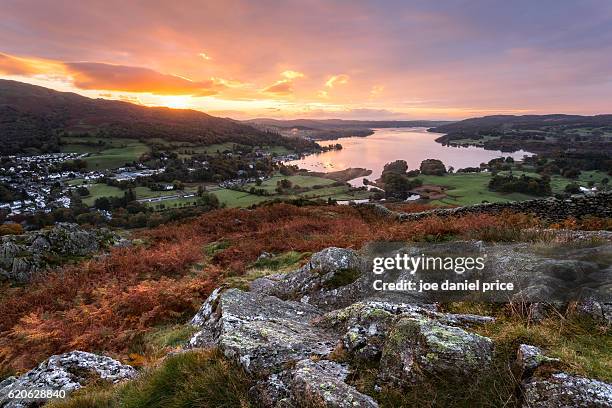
336, 80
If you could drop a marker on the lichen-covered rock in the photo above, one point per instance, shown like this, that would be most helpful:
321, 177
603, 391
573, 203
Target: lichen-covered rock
601, 312
421, 347
563, 390
366, 324
528, 358
321, 384
263, 333
22, 256
334, 277
66, 372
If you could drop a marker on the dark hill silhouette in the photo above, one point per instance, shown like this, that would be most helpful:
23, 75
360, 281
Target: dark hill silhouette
34, 118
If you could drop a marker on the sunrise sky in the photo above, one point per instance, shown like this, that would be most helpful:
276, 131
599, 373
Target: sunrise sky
319, 59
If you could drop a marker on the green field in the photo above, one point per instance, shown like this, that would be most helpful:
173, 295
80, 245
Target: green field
232, 198
101, 190
469, 188
302, 181
105, 153
472, 188
558, 183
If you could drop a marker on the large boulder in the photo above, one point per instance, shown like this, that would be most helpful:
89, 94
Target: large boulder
67, 372
563, 390
263, 333
417, 348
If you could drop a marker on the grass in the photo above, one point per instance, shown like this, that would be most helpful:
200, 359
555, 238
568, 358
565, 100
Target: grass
558, 183
236, 199
302, 181
101, 190
105, 153
584, 346
283, 261
192, 379
469, 188
116, 156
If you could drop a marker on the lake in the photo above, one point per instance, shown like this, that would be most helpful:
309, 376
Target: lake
386, 145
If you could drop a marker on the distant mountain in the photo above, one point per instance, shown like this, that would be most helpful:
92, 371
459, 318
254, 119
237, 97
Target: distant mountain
523, 122
533, 133
342, 123
33, 118
333, 128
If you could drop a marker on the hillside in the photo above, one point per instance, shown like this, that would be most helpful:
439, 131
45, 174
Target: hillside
34, 117
534, 133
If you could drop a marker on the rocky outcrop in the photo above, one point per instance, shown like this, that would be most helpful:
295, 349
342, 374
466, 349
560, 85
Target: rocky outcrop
303, 336
289, 330
22, 256
552, 209
67, 372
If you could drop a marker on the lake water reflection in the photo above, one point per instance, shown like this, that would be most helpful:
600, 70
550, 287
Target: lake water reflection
385, 145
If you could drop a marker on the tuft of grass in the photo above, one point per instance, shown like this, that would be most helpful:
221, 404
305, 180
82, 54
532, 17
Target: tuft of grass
242, 281
161, 340
192, 379
283, 261
215, 247
583, 347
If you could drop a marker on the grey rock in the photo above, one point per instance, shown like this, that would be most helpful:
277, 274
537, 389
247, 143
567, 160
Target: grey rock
66, 372
563, 390
528, 358
326, 281
321, 384
599, 311
418, 347
262, 332
23, 256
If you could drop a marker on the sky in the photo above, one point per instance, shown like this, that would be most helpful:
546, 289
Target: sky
346, 59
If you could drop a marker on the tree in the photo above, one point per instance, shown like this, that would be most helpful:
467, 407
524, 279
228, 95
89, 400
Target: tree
398, 167
433, 167
398, 185
572, 188
102, 203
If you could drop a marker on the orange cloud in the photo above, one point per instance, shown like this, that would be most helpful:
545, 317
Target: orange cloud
94, 75
11, 65
283, 87
337, 80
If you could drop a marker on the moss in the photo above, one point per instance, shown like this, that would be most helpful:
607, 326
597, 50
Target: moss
342, 277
